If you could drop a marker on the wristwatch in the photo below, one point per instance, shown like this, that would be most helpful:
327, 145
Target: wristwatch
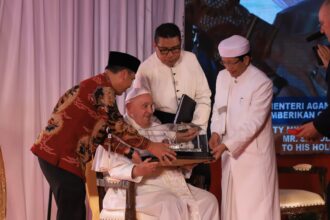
129, 155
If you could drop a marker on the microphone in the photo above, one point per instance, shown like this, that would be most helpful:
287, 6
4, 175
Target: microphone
314, 36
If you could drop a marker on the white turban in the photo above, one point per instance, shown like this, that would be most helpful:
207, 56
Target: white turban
135, 92
234, 46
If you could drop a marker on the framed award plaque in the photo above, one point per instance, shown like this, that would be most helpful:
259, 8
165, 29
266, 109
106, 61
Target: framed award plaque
191, 152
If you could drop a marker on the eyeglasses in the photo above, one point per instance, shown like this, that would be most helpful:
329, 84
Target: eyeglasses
131, 75
229, 63
166, 50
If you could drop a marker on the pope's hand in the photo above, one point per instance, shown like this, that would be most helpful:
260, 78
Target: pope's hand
136, 157
144, 168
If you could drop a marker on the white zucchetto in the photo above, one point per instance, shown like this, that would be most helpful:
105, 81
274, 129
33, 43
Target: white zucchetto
134, 92
234, 46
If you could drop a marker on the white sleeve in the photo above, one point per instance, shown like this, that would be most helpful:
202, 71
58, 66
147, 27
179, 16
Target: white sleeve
219, 111
118, 166
202, 97
141, 79
257, 115
124, 172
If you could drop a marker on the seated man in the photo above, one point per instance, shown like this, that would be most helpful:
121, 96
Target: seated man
161, 192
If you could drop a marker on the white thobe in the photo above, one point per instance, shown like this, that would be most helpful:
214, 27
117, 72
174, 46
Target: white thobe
165, 195
242, 116
167, 85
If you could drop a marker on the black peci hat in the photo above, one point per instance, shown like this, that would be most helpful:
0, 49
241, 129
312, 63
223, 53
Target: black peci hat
124, 60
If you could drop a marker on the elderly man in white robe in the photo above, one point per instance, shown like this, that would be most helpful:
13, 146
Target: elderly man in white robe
242, 135
161, 192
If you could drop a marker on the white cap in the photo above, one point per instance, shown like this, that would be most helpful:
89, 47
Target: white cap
234, 46
135, 92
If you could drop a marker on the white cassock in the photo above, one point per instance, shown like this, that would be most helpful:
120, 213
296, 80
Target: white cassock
241, 115
165, 195
185, 77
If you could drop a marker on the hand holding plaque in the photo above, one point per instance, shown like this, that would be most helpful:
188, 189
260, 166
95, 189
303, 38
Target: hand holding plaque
188, 141
186, 135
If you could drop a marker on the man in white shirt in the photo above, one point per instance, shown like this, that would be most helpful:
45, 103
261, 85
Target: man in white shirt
242, 136
171, 72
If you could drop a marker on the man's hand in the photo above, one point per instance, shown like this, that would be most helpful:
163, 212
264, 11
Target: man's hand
218, 150
162, 152
145, 168
308, 132
214, 140
324, 53
186, 136
136, 157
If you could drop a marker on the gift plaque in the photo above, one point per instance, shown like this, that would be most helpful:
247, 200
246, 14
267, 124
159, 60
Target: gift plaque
191, 152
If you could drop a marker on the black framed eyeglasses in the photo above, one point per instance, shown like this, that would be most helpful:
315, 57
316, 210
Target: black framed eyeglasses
229, 63
166, 50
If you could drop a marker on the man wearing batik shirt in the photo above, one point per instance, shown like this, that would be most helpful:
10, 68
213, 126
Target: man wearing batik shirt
81, 121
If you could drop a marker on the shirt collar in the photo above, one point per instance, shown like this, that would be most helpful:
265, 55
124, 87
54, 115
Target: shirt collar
177, 62
243, 76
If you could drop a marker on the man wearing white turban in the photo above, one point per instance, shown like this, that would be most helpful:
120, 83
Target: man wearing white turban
242, 136
161, 193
